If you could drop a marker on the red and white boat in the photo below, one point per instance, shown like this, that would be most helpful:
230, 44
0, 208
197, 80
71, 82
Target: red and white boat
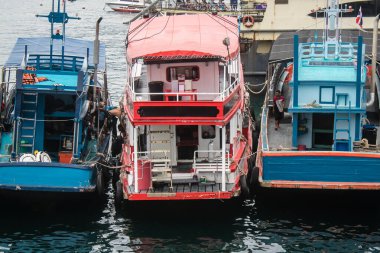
185, 119
129, 6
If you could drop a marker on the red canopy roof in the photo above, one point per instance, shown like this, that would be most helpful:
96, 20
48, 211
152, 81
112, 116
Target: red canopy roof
182, 36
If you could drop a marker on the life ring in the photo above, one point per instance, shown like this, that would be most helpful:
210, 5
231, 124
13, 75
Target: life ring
248, 21
43, 157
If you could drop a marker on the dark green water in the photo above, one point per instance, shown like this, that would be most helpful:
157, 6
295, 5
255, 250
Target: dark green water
274, 222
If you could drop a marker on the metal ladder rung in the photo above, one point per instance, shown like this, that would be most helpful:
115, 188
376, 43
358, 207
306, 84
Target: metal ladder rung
26, 145
27, 136
342, 130
34, 96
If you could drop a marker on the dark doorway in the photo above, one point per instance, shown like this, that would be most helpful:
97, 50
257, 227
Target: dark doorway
187, 141
323, 129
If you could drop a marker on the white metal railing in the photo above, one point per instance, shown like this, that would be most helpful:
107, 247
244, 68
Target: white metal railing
317, 49
211, 156
213, 164
139, 96
151, 156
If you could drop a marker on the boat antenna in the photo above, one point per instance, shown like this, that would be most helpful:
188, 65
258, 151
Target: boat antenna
332, 33
57, 16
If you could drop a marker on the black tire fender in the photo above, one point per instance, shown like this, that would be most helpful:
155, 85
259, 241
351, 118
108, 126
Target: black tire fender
100, 183
119, 195
243, 186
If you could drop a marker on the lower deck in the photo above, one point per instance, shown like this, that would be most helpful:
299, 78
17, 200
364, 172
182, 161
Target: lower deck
191, 187
280, 139
316, 133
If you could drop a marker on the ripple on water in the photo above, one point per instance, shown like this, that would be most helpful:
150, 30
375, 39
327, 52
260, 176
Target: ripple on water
251, 227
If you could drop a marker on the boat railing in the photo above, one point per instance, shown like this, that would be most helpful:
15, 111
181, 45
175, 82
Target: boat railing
210, 159
57, 62
216, 161
152, 155
192, 95
153, 158
8, 75
264, 128
253, 8
313, 50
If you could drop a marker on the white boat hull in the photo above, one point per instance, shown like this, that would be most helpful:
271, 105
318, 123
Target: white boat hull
130, 7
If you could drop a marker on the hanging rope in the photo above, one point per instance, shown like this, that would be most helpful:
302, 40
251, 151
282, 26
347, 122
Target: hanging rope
256, 93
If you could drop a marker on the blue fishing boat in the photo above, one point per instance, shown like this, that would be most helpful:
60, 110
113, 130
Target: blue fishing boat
327, 132
55, 129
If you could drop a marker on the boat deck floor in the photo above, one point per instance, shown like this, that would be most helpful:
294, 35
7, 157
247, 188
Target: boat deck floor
280, 139
196, 187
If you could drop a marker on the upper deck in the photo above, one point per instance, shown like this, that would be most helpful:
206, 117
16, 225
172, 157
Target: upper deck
43, 71
207, 98
183, 73
323, 64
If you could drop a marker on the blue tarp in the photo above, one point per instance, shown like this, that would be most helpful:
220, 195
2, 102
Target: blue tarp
73, 47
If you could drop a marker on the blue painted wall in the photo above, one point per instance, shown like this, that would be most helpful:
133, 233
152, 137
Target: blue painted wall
46, 176
324, 169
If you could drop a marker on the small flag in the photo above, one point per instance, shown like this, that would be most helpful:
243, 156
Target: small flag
359, 18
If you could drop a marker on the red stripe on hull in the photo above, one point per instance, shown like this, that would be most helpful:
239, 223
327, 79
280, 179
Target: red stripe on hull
322, 153
320, 185
180, 196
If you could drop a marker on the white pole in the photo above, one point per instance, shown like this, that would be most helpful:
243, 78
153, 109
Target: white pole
224, 81
136, 176
224, 158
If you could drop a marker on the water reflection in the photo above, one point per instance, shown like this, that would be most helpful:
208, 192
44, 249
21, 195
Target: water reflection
279, 222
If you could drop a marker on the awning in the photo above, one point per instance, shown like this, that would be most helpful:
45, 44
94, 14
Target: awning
183, 36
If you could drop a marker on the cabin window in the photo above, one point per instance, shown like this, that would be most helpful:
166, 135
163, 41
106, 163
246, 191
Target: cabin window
182, 72
326, 95
208, 132
341, 99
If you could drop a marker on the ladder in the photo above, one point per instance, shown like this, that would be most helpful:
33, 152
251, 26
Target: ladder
342, 144
28, 122
162, 170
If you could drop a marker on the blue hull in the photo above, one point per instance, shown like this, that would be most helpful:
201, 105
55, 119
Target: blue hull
320, 169
47, 177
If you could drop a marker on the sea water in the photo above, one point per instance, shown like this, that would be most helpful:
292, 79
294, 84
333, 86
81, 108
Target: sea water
274, 221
